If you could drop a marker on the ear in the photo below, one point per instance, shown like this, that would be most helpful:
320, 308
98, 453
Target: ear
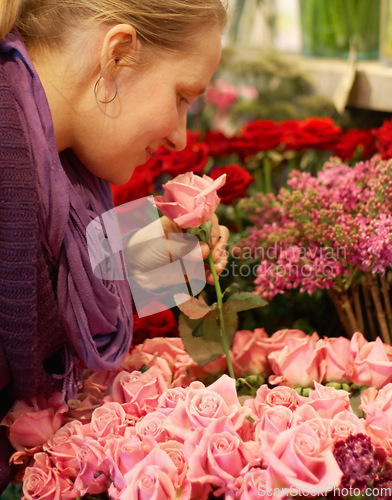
119, 41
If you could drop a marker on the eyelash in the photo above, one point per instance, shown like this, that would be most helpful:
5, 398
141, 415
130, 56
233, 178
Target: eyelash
183, 99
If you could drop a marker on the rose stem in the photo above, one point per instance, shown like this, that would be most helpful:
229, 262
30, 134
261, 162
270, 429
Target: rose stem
219, 297
358, 308
259, 185
237, 219
387, 300
267, 175
342, 315
349, 311
368, 307
380, 313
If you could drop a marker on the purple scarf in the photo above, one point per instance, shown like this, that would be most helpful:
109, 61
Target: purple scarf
97, 315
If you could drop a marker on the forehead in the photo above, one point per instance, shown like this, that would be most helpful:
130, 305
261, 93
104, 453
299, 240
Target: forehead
198, 65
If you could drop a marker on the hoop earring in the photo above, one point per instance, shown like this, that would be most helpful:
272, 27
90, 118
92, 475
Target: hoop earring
95, 91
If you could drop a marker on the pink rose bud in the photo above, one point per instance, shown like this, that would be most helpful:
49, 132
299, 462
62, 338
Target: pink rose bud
189, 200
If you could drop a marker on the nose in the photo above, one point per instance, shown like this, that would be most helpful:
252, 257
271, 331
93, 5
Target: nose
177, 139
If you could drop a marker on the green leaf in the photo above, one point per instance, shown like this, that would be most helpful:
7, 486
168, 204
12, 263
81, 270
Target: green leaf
242, 301
275, 156
205, 348
198, 331
195, 308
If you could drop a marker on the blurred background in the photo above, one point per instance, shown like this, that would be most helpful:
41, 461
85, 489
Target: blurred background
297, 58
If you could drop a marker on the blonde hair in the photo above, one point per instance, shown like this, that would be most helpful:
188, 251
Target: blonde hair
169, 25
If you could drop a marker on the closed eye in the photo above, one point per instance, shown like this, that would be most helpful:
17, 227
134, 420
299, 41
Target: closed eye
184, 99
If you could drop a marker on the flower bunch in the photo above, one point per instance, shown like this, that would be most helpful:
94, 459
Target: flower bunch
248, 155
156, 432
326, 232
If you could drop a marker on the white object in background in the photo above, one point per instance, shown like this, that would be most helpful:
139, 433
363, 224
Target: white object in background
288, 27
251, 24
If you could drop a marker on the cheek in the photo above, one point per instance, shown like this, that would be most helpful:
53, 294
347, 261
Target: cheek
162, 120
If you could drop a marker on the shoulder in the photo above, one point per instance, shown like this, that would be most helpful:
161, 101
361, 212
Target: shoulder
8, 102
13, 141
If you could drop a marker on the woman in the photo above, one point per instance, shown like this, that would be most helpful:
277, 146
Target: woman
88, 91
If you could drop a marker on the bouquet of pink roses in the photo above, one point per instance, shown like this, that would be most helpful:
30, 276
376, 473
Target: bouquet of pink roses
151, 430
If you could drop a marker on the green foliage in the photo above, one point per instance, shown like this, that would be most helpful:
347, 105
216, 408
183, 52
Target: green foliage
199, 325
12, 492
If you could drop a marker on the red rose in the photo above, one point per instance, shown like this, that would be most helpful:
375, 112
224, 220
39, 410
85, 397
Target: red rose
354, 139
162, 324
192, 159
219, 144
289, 129
314, 133
383, 137
259, 135
237, 181
141, 183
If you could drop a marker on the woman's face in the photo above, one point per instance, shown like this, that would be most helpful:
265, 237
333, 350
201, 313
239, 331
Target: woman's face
149, 111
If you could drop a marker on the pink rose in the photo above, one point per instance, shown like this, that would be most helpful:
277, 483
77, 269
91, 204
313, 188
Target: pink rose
140, 389
73, 428
257, 485
370, 395
189, 200
92, 466
266, 398
139, 358
274, 420
372, 361
328, 401
298, 352
373, 398
249, 356
124, 453
379, 426
170, 349
32, 423
153, 478
296, 459
344, 424
169, 399
167, 354
307, 414
80, 458
203, 405
339, 359
108, 420
377, 405
278, 340
82, 408
44, 482
218, 457
91, 395
97, 383
152, 425
175, 450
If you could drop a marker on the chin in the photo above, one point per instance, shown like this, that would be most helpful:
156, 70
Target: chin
121, 179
